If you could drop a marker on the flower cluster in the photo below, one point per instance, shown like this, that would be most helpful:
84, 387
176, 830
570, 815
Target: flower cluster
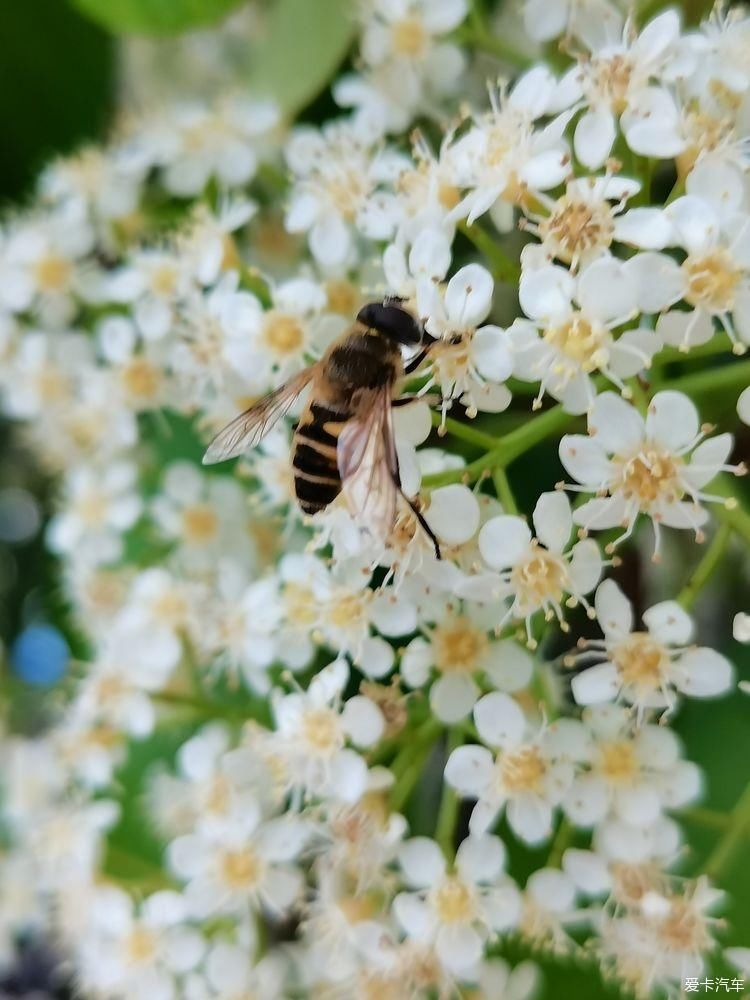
271, 696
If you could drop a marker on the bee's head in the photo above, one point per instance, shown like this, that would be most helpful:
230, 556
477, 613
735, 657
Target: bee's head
392, 320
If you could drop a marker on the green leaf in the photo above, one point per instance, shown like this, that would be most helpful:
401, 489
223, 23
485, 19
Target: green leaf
303, 44
155, 17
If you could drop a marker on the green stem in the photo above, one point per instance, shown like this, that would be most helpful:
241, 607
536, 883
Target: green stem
735, 375
705, 817
508, 449
464, 432
562, 840
736, 833
706, 567
735, 514
445, 826
503, 491
502, 266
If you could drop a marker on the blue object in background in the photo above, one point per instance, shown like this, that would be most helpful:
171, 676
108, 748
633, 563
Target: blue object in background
40, 655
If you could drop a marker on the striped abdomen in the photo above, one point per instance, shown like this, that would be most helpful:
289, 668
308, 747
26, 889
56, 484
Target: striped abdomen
317, 482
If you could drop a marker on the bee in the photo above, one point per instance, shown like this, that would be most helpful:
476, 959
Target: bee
344, 438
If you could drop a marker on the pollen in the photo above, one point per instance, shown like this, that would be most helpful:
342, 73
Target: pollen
577, 230
641, 661
522, 770
321, 731
343, 296
163, 280
618, 762
409, 38
582, 341
241, 869
51, 384
282, 333
454, 901
301, 605
200, 524
53, 273
684, 929
612, 78
92, 509
346, 611
459, 645
542, 577
712, 280
650, 476
140, 946
141, 380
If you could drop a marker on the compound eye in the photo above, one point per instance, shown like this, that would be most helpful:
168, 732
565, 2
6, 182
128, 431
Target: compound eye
391, 321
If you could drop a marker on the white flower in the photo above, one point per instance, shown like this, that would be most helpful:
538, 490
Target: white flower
743, 406
125, 953
741, 627
152, 283
42, 377
470, 361
312, 730
632, 774
338, 191
547, 19
456, 913
658, 466
622, 78
549, 908
99, 507
647, 668
570, 332
139, 367
460, 651
529, 776
535, 573
249, 862
582, 224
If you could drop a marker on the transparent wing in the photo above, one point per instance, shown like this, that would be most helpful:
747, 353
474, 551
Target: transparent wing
368, 465
249, 428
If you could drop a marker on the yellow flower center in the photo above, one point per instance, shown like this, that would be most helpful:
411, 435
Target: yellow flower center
163, 280
301, 606
454, 901
649, 476
92, 509
641, 661
343, 296
241, 869
141, 380
51, 384
321, 731
522, 770
200, 524
618, 762
282, 333
576, 229
53, 273
612, 78
219, 795
580, 340
409, 37
684, 929
347, 610
140, 946
171, 607
542, 577
712, 280
459, 645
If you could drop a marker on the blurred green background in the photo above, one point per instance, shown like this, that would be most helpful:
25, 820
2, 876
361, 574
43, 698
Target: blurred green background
59, 76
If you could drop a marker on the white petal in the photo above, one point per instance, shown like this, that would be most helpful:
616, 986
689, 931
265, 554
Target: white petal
469, 770
595, 685
703, 673
616, 425
594, 138
375, 657
553, 520
481, 859
530, 818
453, 513
416, 662
585, 566
660, 280
504, 540
669, 623
584, 459
459, 947
452, 697
679, 328
672, 420
414, 915
588, 871
499, 719
613, 610
362, 721
695, 223
508, 666
468, 296
552, 889
639, 805
490, 350
587, 801
606, 290
647, 228
421, 861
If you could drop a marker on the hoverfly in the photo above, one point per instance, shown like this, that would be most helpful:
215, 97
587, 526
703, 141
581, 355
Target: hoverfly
344, 438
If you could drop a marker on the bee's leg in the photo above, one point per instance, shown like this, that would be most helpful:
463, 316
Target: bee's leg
420, 517
414, 398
